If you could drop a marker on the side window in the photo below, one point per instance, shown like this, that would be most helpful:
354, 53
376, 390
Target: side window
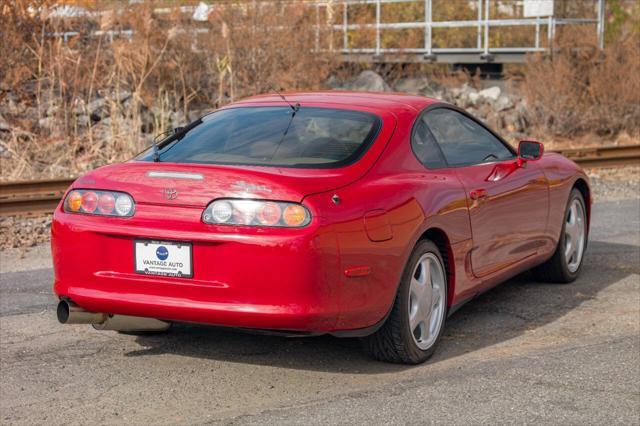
426, 148
462, 140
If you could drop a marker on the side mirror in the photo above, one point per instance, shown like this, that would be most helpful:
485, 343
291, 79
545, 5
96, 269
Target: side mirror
529, 151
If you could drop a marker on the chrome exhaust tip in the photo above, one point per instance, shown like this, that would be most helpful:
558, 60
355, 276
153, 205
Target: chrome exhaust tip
70, 313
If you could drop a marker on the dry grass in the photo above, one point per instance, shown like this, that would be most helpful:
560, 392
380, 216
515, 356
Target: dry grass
580, 89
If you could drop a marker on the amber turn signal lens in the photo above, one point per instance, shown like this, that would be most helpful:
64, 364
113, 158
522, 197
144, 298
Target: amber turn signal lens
74, 201
294, 215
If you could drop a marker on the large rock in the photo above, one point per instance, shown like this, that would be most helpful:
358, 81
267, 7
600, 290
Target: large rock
491, 93
412, 85
464, 96
462, 92
369, 81
334, 83
503, 103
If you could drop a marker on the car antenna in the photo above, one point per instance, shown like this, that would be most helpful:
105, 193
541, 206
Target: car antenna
294, 108
156, 150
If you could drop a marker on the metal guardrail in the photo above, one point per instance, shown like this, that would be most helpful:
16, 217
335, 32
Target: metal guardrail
483, 24
482, 52
39, 197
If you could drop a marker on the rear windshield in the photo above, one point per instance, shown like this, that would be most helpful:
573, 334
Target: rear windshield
273, 136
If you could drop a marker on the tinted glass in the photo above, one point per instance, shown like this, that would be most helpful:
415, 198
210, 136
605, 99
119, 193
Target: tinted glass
462, 140
530, 150
425, 147
274, 136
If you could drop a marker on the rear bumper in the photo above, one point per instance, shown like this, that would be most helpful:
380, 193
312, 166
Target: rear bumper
283, 279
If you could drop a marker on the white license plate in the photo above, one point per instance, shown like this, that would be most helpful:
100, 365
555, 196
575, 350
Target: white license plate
166, 258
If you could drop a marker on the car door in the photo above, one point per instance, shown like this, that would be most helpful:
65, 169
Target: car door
508, 203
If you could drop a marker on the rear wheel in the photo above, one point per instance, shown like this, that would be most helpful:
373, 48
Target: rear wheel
417, 318
566, 262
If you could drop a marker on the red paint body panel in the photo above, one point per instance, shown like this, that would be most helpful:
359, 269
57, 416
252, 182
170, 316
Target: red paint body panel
340, 272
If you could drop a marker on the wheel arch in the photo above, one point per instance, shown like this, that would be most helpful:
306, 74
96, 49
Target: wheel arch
440, 239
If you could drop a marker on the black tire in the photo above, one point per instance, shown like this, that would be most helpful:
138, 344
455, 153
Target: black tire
556, 270
394, 342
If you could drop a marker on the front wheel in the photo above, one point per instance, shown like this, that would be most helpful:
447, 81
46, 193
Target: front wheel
416, 321
565, 264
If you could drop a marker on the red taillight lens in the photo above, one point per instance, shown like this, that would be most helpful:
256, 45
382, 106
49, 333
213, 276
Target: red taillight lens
269, 214
98, 202
89, 201
106, 203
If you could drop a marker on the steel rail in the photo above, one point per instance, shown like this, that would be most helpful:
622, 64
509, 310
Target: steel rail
31, 197
42, 196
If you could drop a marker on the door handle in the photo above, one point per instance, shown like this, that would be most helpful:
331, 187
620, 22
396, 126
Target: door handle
477, 194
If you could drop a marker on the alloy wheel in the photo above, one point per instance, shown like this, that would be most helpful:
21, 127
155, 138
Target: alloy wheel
427, 300
574, 235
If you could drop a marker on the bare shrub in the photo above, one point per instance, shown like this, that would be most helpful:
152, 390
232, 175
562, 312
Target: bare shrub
90, 100
580, 89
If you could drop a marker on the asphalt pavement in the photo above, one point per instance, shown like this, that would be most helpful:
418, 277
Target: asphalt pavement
525, 352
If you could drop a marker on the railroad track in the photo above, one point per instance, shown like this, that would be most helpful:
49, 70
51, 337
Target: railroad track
604, 157
38, 197
31, 197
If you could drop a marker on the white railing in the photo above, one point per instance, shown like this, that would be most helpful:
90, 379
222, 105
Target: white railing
483, 25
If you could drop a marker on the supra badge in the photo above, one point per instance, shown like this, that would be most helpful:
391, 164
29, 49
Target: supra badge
170, 193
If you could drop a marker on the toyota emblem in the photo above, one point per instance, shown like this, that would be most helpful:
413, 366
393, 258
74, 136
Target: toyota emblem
170, 193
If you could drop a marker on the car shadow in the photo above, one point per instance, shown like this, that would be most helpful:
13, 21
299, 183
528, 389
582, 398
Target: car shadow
509, 310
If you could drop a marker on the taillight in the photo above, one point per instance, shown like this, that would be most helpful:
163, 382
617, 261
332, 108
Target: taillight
101, 203
256, 213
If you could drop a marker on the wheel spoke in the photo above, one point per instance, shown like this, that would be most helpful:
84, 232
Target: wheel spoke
415, 320
572, 214
417, 289
573, 230
569, 248
425, 275
424, 308
436, 298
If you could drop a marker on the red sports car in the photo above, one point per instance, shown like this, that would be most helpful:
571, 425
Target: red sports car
353, 214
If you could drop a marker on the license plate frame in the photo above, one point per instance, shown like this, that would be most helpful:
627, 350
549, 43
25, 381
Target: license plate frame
170, 262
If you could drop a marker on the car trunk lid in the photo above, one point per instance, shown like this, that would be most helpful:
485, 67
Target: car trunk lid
198, 185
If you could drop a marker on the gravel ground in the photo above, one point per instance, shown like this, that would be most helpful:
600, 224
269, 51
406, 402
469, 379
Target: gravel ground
22, 233
615, 184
